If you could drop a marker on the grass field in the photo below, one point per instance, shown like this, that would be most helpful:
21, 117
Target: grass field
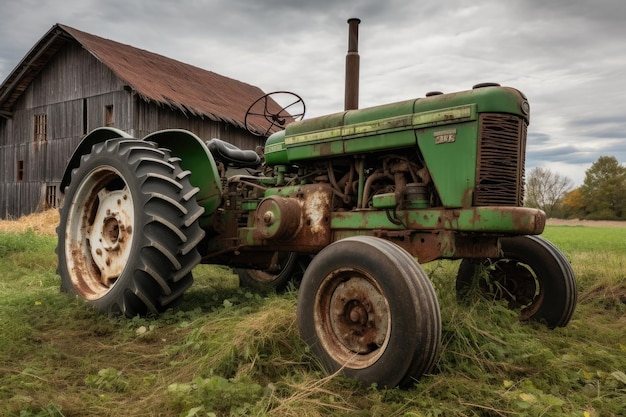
228, 351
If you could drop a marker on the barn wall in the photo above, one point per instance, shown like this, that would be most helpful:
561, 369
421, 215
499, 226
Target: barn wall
74, 90
6, 131
149, 118
72, 73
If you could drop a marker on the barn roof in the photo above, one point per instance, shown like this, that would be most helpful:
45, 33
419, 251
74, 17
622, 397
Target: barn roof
156, 78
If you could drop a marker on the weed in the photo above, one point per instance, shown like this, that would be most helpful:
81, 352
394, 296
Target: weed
218, 395
107, 380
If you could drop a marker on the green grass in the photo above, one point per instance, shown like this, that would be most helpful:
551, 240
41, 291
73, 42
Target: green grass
227, 351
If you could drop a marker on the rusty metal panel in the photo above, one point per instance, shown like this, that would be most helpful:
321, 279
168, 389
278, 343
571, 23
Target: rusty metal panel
429, 246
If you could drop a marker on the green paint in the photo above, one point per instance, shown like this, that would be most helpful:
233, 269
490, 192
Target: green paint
505, 220
450, 154
384, 201
195, 157
275, 150
393, 126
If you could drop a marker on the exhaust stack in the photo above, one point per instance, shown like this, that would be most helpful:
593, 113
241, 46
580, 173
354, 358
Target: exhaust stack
351, 100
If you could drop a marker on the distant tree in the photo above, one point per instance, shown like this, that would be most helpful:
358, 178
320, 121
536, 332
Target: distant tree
545, 189
573, 204
604, 189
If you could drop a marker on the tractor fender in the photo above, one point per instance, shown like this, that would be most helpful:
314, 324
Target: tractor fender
196, 158
98, 135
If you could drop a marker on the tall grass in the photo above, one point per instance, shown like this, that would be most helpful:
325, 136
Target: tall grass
230, 352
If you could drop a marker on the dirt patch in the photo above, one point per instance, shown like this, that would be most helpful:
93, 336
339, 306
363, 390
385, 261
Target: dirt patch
44, 223
578, 222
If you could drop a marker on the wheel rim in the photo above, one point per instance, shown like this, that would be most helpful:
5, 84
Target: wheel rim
99, 232
352, 318
518, 284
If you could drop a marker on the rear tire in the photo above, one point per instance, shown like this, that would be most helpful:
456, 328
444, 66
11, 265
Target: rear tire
129, 229
289, 268
367, 308
533, 276
276, 277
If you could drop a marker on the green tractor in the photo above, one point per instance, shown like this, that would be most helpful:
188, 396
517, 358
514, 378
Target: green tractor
358, 200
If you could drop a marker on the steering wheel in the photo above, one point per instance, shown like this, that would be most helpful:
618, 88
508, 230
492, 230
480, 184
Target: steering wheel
266, 111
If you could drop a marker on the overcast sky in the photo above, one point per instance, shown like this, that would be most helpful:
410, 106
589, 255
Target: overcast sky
567, 56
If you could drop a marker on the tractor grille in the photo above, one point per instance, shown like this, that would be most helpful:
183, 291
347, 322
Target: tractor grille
501, 152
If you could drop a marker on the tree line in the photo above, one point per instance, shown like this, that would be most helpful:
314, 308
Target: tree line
602, 196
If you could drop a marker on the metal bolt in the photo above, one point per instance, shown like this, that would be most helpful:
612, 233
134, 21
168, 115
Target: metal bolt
268, 218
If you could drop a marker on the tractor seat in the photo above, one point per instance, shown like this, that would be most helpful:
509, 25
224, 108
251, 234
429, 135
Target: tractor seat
232, 155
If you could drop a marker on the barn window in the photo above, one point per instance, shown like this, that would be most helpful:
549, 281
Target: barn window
108, 115
20, 171
51, 196
85, 116
41, 128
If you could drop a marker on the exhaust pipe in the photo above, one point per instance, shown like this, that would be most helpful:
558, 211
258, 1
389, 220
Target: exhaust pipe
351, 99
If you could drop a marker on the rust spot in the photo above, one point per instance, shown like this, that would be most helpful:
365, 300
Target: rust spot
278, 218
314, 203
468, 197
79, 272
325, 149
359, 315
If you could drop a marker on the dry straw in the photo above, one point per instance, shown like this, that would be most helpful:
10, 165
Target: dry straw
44, 223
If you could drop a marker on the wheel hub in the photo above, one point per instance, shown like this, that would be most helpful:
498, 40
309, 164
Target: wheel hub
109, 234
359, 317
517, 284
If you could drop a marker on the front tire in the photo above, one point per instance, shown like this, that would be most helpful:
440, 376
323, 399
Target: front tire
129, 229
532, 276
367, 308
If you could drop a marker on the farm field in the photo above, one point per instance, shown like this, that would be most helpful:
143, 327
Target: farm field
227, 351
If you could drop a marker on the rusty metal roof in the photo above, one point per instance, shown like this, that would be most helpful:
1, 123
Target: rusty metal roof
156, 78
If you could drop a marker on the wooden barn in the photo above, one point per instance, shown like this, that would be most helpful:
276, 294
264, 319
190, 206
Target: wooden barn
72, 82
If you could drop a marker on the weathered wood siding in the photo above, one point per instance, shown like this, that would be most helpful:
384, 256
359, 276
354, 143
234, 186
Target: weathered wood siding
149, 118
71, 74
71, 84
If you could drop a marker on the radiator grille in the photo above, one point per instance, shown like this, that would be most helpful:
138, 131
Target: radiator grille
501, 152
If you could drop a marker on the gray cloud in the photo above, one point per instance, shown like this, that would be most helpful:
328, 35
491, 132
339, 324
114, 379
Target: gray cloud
567, 56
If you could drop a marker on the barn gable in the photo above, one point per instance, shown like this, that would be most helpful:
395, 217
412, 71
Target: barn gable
71, 82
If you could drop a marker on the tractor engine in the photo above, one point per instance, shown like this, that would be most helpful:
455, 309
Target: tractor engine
442, 170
